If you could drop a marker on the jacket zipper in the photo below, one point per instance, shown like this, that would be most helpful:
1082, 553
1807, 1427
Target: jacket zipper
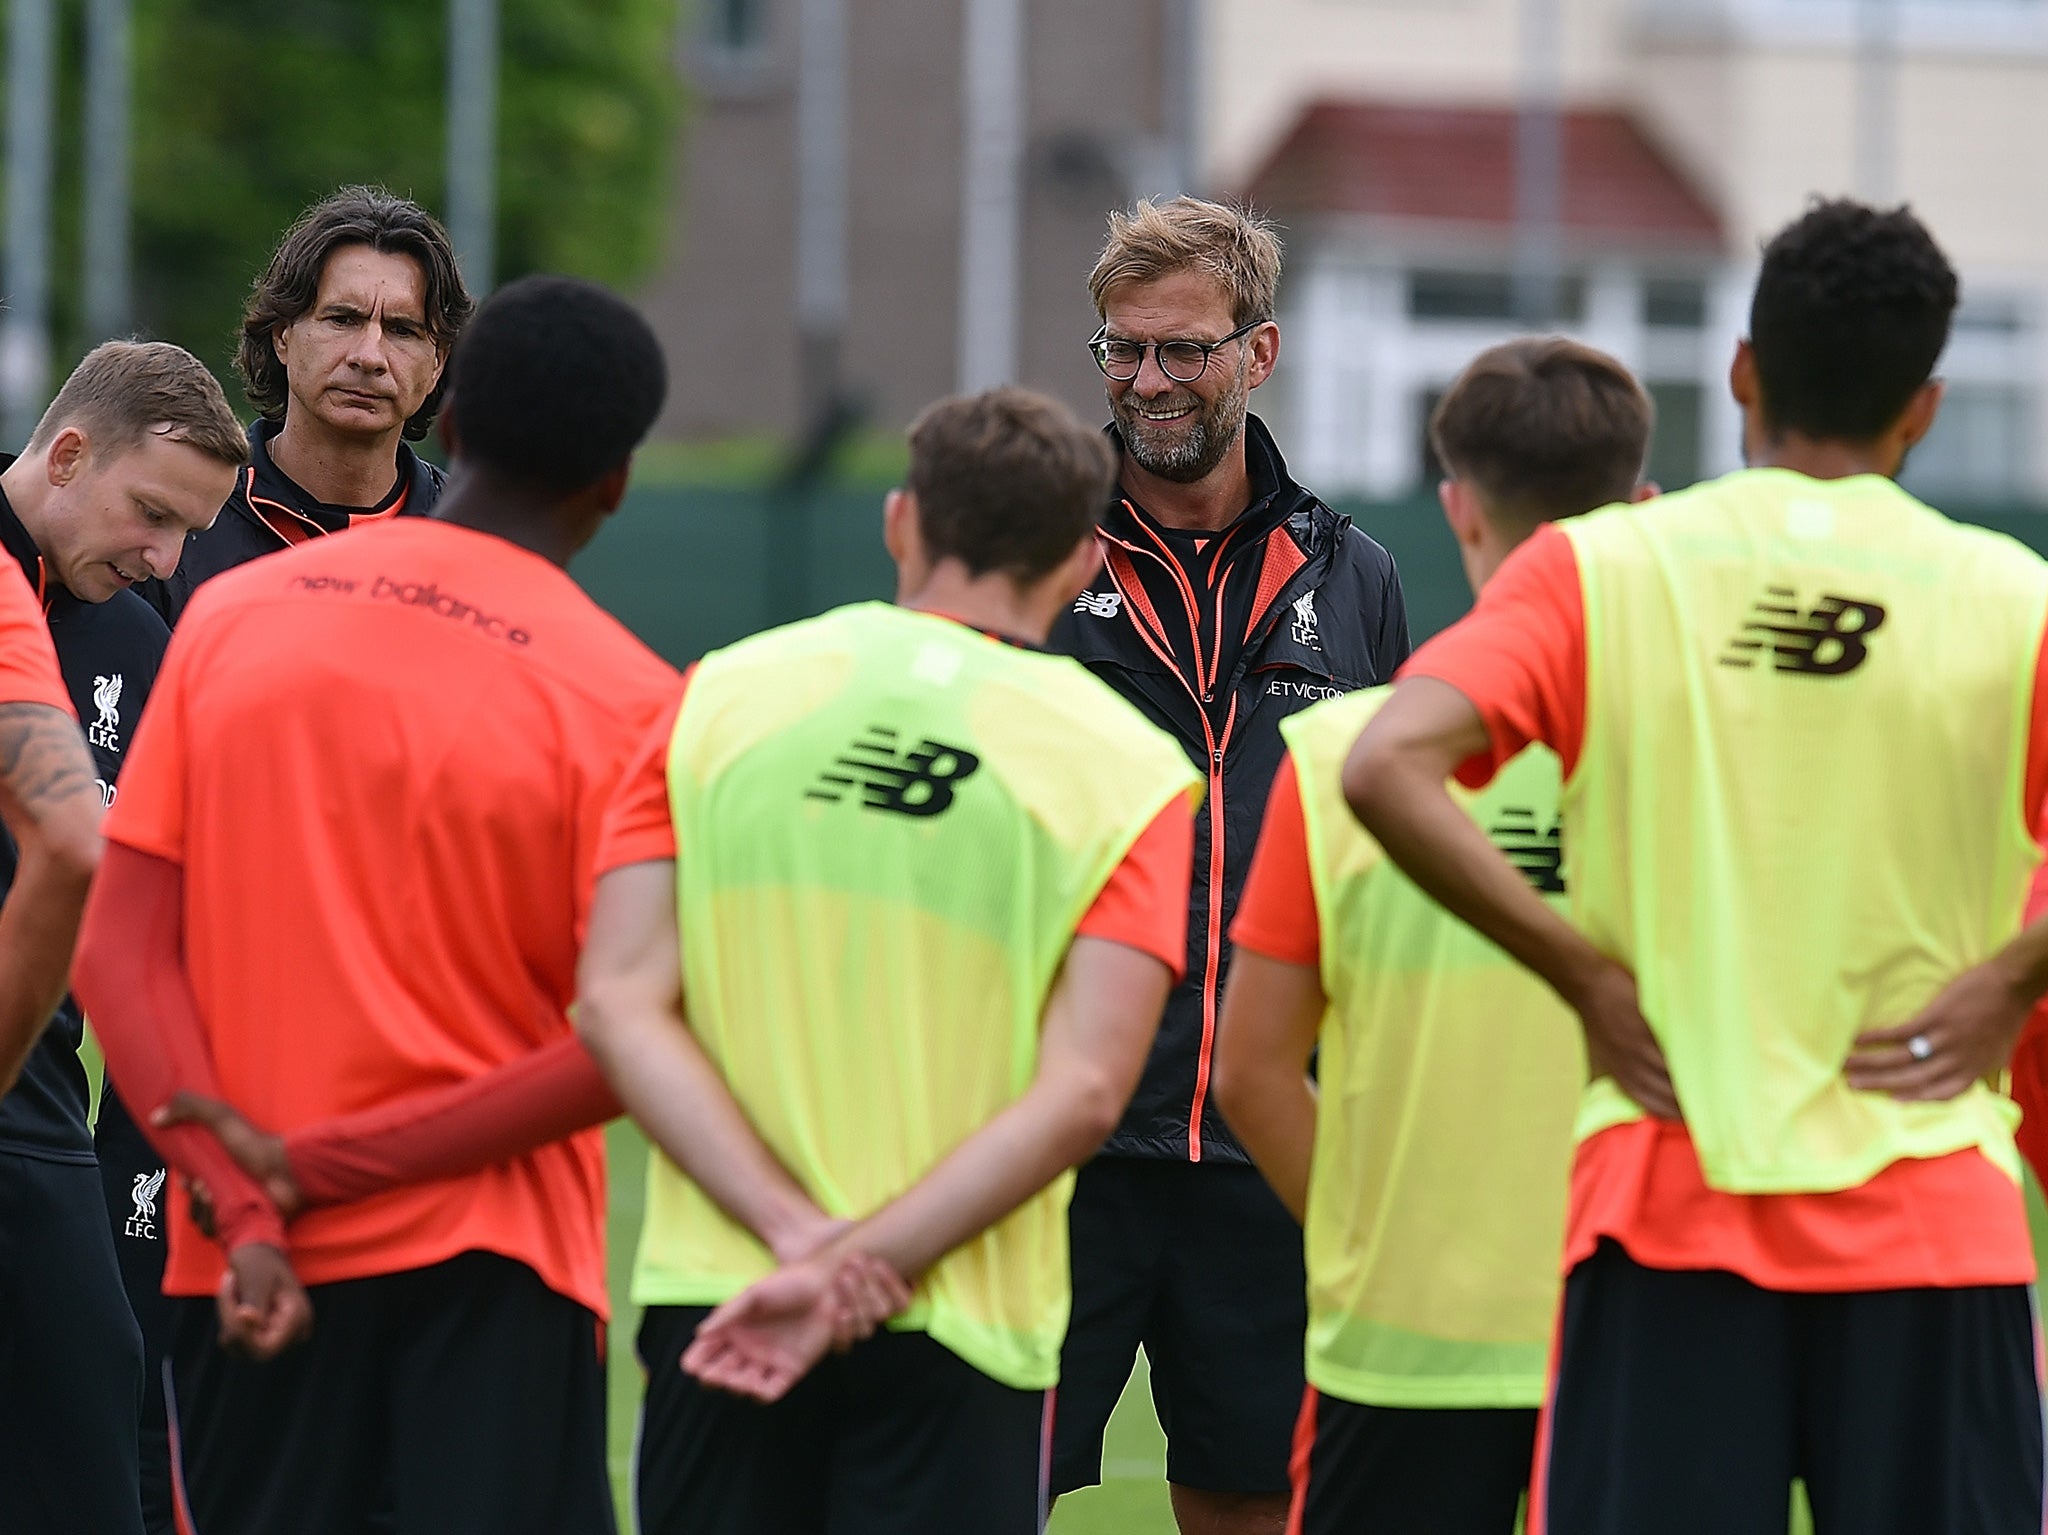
1213, 962
1211, 1002
1213, 959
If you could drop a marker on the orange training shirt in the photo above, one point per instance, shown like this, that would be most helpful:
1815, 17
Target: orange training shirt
28, 659
1277, 915
383, 761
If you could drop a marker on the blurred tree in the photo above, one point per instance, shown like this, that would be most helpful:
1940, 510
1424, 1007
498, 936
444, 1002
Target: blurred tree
248, 110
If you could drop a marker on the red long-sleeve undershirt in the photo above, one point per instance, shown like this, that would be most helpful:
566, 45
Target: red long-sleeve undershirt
131, 978
439, 1132
444, 1132
129, 975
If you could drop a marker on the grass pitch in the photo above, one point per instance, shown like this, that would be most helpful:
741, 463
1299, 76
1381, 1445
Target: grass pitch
1132, 1499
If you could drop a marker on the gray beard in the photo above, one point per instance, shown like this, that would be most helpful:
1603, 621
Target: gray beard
1187, 453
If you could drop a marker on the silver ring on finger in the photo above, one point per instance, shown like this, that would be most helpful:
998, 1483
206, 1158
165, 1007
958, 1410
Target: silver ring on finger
1919, 1047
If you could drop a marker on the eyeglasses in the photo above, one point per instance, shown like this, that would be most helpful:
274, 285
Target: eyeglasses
1181, 361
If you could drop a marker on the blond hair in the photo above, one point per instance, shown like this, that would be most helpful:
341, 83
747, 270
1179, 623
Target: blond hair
1232, 245
124, 391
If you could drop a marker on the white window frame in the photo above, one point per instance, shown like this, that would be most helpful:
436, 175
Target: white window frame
1917, 26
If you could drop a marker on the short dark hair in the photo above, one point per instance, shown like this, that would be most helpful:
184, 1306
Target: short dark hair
1008, 481
392, 226
556, 380
1544, 427
1852, 308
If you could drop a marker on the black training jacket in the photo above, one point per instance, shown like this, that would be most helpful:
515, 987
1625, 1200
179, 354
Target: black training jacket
1216, 639
109, 653
269, 511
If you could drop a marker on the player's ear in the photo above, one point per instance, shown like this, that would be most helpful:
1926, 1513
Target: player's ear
67, 454
610, 488
444, 425
1078, 569
899, 526
1742, 379
1649, 490
1917, 419
1462, 511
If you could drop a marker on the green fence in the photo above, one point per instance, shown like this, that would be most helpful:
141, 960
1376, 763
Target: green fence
693, 567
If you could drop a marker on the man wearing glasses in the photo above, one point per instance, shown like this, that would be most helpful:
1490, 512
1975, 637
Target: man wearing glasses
1230, 598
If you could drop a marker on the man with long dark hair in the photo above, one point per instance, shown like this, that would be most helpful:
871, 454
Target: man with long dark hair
345, 339
344, 342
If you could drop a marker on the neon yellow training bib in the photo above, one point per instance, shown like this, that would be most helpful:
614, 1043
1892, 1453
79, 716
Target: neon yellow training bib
888, 827
1449, 1078
1797, 811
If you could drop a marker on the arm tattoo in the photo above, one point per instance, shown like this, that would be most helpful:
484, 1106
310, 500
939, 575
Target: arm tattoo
43, 757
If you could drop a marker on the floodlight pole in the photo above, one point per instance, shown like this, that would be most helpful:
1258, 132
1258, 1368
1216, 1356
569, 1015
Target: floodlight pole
1539, 166
109, 83
992, 79
821, 202
1181, 71
1877, 81
473, 139
25, 322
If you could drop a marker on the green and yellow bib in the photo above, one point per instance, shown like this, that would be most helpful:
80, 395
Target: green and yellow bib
888, 827
1797, 811
1449, 1077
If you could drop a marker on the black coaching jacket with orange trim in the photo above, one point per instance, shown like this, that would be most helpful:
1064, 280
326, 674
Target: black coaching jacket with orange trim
269, 511
109, 653
1216, 639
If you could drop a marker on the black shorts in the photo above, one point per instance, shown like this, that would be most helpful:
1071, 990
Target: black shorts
899, 1436
1445, 1470
1686, 1403
70, 1357
462, 1396
1200, 1263
138, 1194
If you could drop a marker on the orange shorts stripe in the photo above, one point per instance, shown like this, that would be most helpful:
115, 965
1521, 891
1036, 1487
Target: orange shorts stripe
181, 1506
1538, 1521
1298, 1460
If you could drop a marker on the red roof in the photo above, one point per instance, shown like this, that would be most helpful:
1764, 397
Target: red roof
1457, 165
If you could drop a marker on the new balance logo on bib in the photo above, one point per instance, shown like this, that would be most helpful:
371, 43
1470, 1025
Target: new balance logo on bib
1534, 849
915, 781
1830, 639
